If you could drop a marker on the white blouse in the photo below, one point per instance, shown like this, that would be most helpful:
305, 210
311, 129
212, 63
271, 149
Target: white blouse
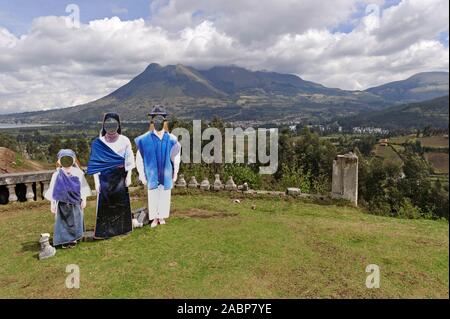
122, 147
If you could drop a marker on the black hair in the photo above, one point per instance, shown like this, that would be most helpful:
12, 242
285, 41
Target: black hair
114, 116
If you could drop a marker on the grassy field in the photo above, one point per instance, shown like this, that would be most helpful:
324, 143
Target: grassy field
429, 141
212, 247
439, 161
402, 139
387, 153
434, 141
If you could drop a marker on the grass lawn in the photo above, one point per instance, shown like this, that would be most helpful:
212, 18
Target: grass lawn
212, 247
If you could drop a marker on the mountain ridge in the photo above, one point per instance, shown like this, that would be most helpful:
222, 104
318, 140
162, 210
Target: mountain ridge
416, 115
231, 92
418, 87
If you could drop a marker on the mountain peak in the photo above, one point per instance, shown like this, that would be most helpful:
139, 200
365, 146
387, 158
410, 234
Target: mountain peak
152, 66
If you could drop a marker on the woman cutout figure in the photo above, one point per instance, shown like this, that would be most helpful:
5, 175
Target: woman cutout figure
111, 162
67, 193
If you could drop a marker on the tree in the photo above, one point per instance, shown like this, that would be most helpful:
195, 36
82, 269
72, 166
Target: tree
54, 148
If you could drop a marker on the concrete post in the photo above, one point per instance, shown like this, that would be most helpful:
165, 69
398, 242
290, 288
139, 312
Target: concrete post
345, 178
12, 193
45, 186
30, 194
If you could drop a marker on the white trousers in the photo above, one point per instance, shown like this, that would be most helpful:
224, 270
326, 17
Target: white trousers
159, 202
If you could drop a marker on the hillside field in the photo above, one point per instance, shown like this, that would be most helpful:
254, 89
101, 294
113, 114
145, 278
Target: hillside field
212, 247
387, 153
439, 162
434, 141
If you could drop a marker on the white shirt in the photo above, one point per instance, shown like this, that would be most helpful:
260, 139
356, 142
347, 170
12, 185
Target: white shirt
122, 147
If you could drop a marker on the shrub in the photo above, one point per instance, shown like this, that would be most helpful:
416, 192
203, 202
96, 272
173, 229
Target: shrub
407, 210
242, 174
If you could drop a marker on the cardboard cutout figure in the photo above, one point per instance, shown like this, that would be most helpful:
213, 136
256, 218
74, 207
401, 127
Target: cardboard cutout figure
111, 162
67, 193
158, 163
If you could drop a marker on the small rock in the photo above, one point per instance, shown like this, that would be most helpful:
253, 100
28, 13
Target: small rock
293, 191
237, 201
136, 223
141, 215
88, 235
253, 206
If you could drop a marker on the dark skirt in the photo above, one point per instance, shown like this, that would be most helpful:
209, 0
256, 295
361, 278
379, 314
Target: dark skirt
113, 205
69, 224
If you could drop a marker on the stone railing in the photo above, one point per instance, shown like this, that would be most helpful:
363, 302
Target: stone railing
28, 186
344, 182
31, 186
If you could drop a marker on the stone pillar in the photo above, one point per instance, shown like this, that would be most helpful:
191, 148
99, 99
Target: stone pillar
345, 178
181, 182
193, 182
12, 193
30, 194
217, 185
45, 186
230, 185
204, 185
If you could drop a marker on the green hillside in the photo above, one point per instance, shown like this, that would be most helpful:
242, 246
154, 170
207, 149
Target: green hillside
214, 248
432, 113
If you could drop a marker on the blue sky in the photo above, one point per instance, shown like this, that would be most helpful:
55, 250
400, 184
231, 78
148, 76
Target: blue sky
17, 15
349, 25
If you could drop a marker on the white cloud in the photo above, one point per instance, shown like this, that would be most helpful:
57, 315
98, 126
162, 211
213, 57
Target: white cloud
54, 66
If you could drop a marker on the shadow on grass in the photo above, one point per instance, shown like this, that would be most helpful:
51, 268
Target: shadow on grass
31, 246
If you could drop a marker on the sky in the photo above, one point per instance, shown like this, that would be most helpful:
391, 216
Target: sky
58, 53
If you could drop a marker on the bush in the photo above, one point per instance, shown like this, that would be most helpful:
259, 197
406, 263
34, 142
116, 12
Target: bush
242, 174
379, 206
293, 176
407, 210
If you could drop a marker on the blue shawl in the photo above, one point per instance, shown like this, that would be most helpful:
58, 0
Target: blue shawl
155, 153
67, 189
103, 158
